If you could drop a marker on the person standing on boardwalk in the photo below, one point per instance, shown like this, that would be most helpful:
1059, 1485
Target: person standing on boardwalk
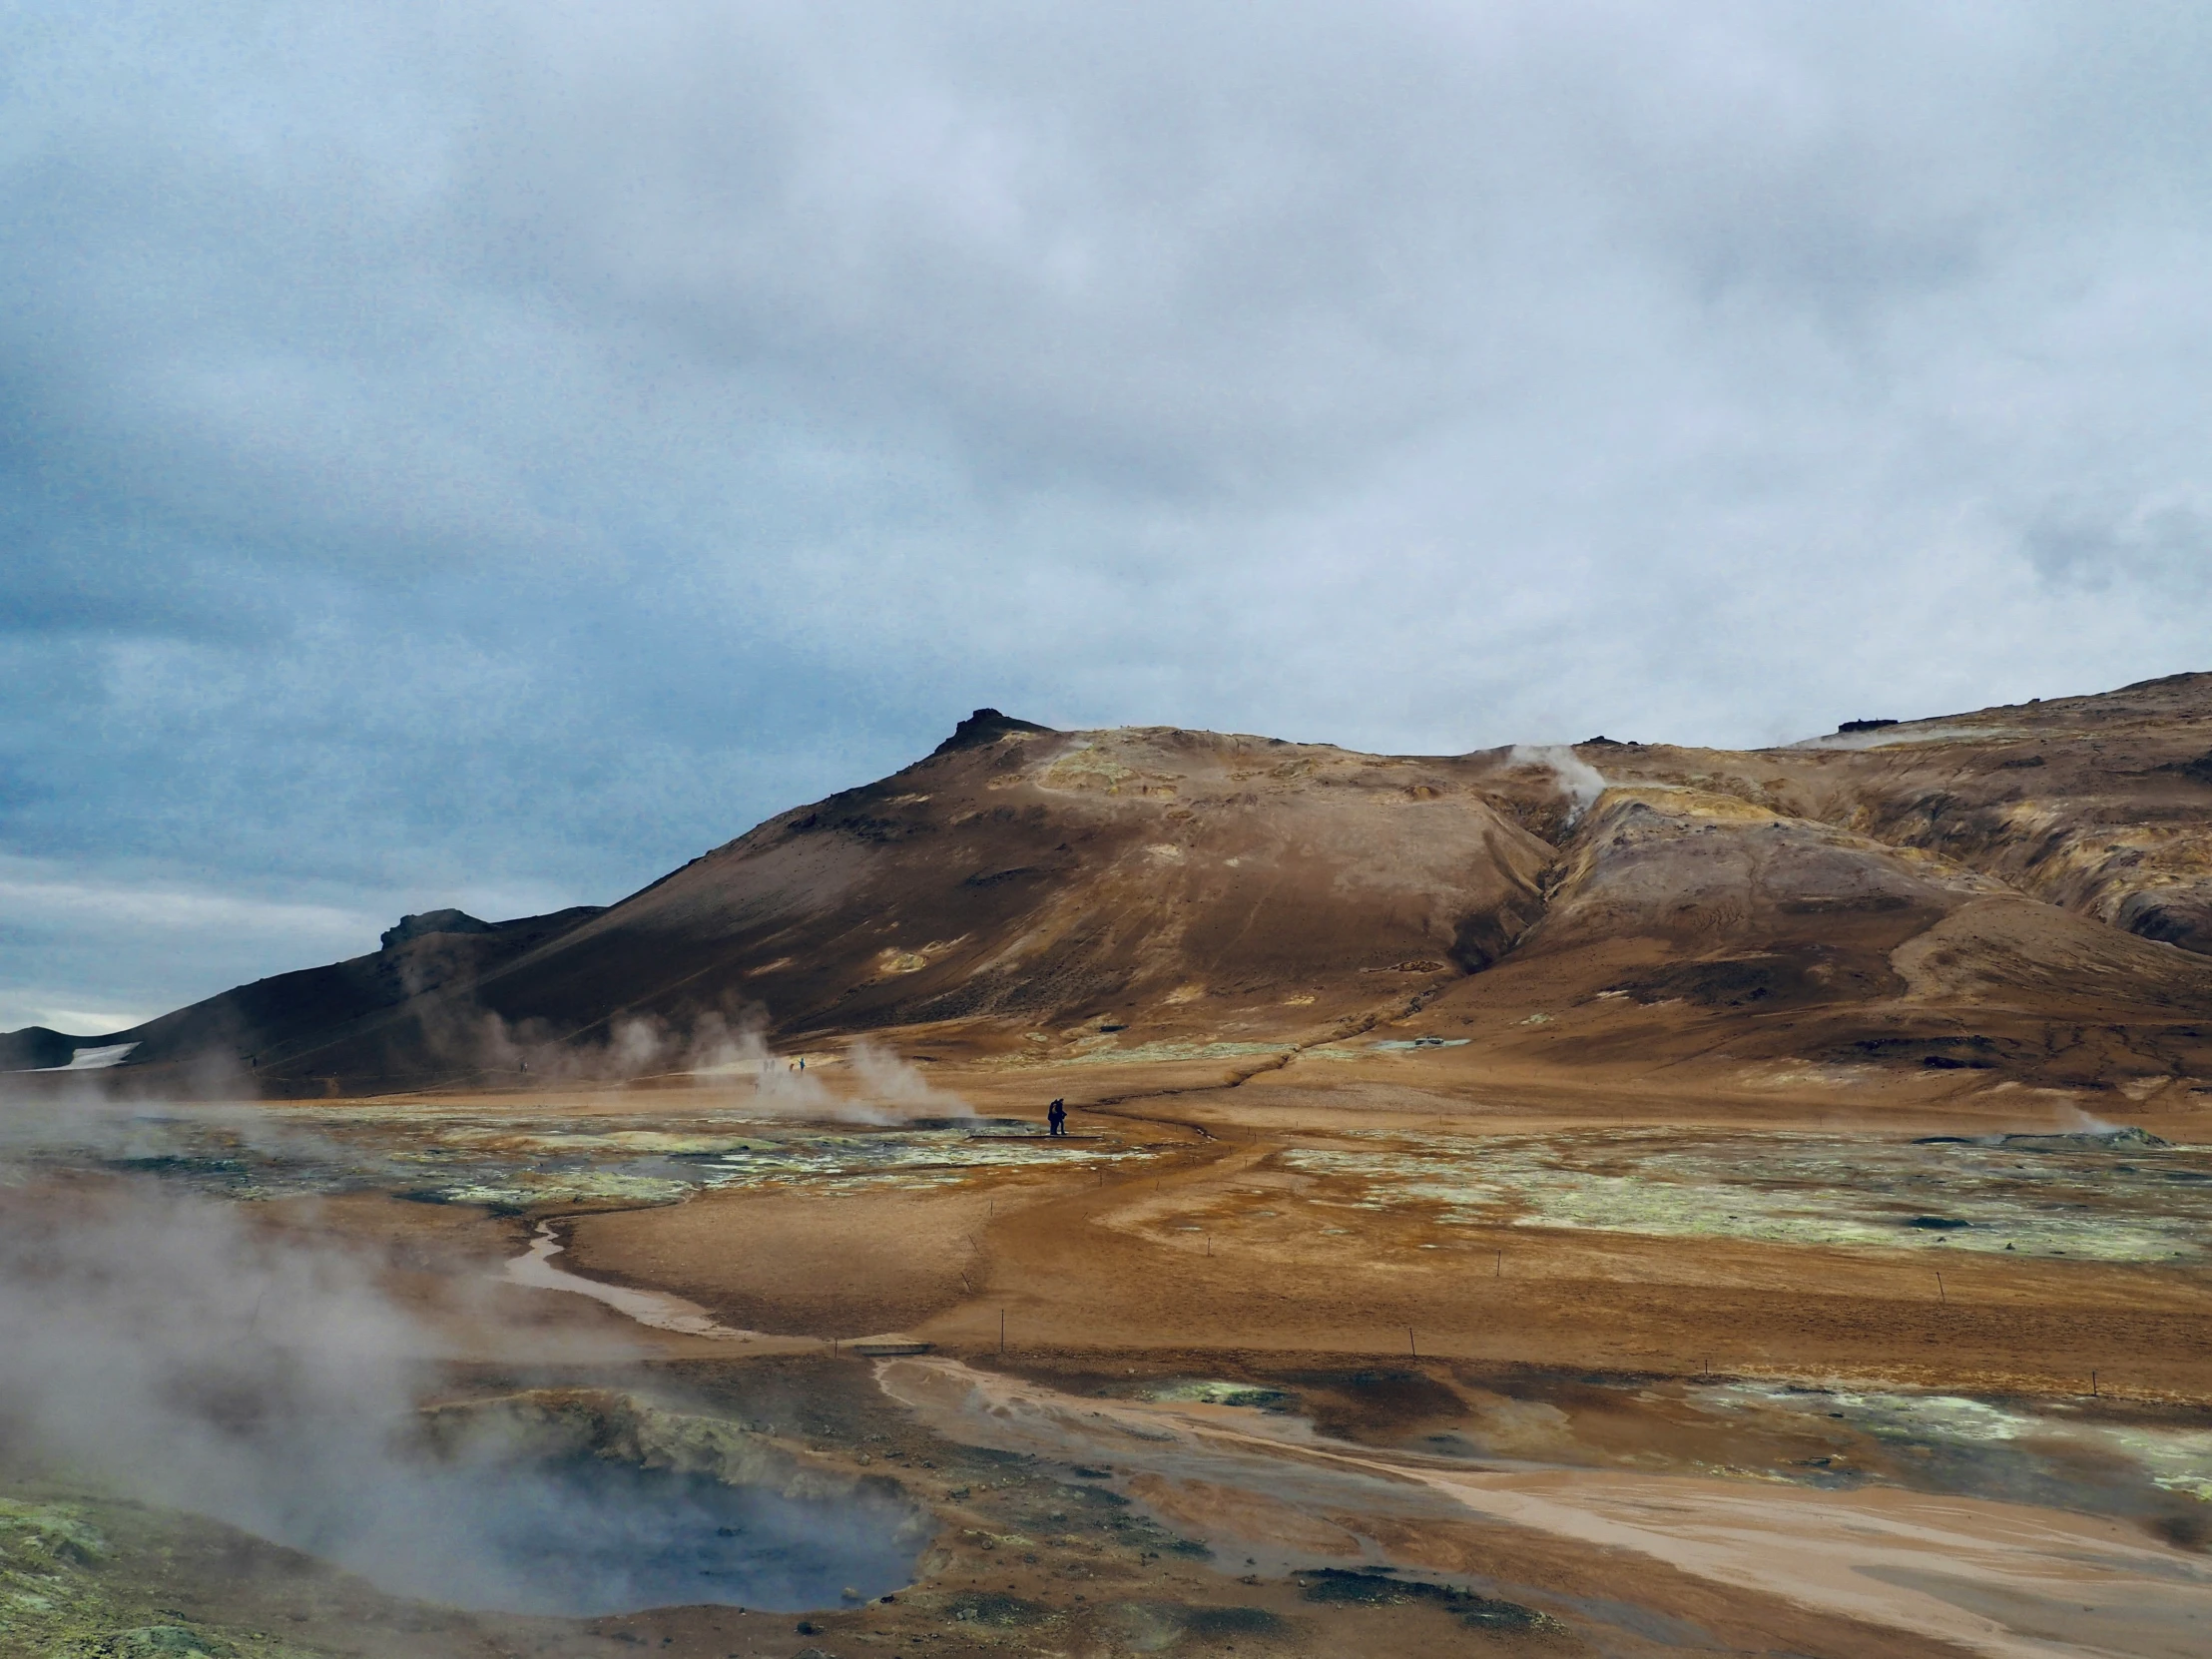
1058, 1117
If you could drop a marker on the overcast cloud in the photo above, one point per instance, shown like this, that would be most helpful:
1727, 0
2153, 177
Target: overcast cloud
486, 455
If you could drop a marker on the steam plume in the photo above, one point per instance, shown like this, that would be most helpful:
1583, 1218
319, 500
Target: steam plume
193, 1355
1581, 781
175, 1351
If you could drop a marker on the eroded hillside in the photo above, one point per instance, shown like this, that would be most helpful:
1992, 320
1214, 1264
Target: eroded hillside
2025, 891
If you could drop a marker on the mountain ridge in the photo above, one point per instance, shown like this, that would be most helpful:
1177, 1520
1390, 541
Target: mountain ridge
1957, 891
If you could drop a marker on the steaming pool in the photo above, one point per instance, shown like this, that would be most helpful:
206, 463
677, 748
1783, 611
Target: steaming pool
586, 1536
581, 1503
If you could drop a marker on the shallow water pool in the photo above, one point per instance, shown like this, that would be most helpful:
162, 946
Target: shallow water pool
587, 1536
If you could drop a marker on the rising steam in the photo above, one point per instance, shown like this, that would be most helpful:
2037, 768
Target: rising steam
878, 1086
198, 1356
1581, 781
173, 1351
228, 1360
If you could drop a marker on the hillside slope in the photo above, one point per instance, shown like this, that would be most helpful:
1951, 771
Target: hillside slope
2025, 891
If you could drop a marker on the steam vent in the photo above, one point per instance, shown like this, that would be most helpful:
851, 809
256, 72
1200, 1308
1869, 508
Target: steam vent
1158, 1190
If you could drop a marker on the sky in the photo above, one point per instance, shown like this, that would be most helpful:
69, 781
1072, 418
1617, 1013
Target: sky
487, 455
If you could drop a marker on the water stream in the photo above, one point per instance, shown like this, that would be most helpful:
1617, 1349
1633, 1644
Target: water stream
534, 1267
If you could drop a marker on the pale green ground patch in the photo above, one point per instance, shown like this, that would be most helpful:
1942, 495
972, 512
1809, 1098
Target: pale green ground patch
57, 1600
48, 1592
582, 1143
851, 1163
1093, 1052
522, 1161
2172, 1458
1208, 1392
529, 1189
2075, 1197
1146, 1053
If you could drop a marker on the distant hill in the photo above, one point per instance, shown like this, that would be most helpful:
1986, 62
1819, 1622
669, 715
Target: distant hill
255, 1028
2024, 890
35, 1048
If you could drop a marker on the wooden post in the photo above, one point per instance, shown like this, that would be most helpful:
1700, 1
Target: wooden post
1002, 1330
1500, 1272
1411, 1347
1939, 1297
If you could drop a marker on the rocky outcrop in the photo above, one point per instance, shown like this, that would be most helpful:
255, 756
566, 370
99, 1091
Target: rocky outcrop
428, 922
985, 726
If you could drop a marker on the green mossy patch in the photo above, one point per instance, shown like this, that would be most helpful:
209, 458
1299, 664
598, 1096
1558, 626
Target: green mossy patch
59, 1598
164, 1641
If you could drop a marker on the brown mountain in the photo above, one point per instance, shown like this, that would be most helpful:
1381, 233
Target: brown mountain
2022, 890
253, 1027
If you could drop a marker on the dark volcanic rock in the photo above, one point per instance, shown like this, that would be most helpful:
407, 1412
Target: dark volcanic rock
982, 727
432, 921
2198, 768
1383, 1589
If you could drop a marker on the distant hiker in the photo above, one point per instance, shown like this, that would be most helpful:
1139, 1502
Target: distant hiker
1058, 1117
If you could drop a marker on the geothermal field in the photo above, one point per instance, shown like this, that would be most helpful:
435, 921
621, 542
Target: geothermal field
1616, 1200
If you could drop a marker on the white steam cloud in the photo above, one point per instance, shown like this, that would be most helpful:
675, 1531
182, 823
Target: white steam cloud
229, 1360
1581, 781
467, 1045
203, 1356
184, 1353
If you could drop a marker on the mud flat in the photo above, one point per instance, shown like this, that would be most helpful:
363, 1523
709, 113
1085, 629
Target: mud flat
1394, 1364
1905, 1561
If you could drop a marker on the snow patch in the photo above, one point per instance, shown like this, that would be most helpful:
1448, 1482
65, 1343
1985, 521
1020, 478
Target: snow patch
95, 1059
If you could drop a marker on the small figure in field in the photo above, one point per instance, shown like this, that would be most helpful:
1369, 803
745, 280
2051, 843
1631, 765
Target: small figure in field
1058, 1117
